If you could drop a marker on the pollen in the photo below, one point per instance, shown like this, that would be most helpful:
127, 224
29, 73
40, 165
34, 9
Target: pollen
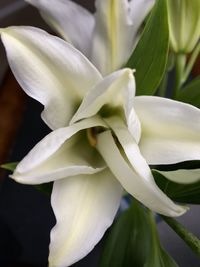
91, 135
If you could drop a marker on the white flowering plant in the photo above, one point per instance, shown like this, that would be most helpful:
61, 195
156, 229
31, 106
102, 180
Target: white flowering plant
119, 129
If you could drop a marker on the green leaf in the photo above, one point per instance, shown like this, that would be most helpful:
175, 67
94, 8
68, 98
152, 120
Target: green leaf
184, 193
133, 241
191, 93
190, 164
45, 188
9, 166
151, 53
158, 257
121, 247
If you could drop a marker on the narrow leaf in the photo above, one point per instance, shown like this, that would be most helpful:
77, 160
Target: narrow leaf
122, 247
184, 193
133, 241
191, 93
158, 257
45, 188
151, 53
9, 166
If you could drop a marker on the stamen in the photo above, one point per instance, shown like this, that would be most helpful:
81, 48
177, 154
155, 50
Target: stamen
91, 135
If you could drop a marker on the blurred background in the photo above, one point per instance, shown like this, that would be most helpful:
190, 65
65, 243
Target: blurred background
26, 216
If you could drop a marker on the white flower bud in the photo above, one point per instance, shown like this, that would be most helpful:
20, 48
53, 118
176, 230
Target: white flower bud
184, 24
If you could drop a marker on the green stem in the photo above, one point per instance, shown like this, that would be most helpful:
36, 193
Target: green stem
191, 62
190, 239
179, 70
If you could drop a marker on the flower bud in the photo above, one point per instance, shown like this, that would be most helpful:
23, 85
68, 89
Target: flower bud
184, 24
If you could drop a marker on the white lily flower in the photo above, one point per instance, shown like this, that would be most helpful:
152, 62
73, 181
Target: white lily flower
108, 37
112, 138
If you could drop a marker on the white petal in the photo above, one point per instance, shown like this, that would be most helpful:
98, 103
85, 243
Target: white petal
182, 176
70, 20
61, 154
130, 148
108, 91
112, 41
139, 11
85, 207
132, 119
117, 92
49, 70
145, 190
170, 130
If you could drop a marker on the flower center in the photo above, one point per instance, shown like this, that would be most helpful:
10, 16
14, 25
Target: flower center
92, 135
108, 111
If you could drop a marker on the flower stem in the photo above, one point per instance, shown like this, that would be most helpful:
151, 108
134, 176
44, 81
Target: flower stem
190, 239
179, 70
191, 62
